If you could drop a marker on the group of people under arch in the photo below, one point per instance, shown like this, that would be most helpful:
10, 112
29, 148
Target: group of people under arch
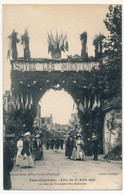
75, 147
29, 149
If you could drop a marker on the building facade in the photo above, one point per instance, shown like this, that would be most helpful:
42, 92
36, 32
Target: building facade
112, 128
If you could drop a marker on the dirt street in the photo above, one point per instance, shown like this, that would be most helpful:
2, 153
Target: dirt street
57, 172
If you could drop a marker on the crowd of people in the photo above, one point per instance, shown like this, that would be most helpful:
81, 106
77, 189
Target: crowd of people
54, 143
29, 149
75, 147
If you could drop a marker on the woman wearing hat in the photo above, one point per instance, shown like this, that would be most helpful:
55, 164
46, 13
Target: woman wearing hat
19, 149
79, 145
26, 159
74, 152
38, 150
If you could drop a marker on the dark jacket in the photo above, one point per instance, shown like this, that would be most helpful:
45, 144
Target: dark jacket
26, 148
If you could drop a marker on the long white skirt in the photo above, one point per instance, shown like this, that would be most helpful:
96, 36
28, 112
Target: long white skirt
74, 154
26, 161
18, 159
80, 154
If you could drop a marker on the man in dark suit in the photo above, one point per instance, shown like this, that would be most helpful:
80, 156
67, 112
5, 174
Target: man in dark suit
95, 147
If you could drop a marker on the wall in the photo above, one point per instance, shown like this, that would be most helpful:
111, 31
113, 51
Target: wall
106, 133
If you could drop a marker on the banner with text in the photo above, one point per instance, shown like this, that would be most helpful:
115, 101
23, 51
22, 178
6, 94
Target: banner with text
84, 66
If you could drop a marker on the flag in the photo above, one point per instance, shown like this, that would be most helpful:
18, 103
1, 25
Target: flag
17, 103
52, 39
13, 102
26, 102
61, 40
85, 102
65, 39
94, 104
22, 102
89, 103
56, 41
31, 102
49, 39
65, 42
98, 103
81, 107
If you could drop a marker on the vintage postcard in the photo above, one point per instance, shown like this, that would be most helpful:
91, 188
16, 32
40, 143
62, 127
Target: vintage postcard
62, 96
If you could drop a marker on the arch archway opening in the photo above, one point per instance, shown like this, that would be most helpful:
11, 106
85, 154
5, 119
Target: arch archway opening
59, 113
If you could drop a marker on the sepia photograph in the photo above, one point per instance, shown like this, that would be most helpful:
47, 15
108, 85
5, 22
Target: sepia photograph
62, 97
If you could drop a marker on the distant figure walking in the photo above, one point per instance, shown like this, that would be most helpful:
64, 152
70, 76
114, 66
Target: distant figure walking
95, 147
56, 144
61, 141
67, 149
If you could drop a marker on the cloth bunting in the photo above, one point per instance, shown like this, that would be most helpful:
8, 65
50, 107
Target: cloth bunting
81, 107
26, 102
95, 103
31, 102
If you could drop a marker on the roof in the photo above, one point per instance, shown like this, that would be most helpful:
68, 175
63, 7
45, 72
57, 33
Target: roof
60, 127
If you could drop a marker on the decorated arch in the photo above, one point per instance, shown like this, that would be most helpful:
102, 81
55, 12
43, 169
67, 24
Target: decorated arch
31, 78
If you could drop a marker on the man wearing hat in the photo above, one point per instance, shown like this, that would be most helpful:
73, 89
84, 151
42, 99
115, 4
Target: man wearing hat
38, 150
95, 147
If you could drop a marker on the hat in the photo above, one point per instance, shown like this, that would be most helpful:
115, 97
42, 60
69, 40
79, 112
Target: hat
38, 135
27, 133
78, 135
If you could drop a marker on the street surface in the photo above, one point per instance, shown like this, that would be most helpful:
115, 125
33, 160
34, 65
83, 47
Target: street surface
57, 172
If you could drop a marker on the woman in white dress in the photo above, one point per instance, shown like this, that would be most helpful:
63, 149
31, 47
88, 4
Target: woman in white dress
19, 149
80, 155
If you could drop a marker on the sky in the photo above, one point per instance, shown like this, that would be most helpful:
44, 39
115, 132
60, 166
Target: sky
58, 103
40, 19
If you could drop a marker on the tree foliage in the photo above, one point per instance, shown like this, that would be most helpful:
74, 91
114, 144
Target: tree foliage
112, 59
107, 80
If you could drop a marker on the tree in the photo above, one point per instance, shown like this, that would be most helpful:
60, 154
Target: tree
13, 124
112, 59
106, 81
